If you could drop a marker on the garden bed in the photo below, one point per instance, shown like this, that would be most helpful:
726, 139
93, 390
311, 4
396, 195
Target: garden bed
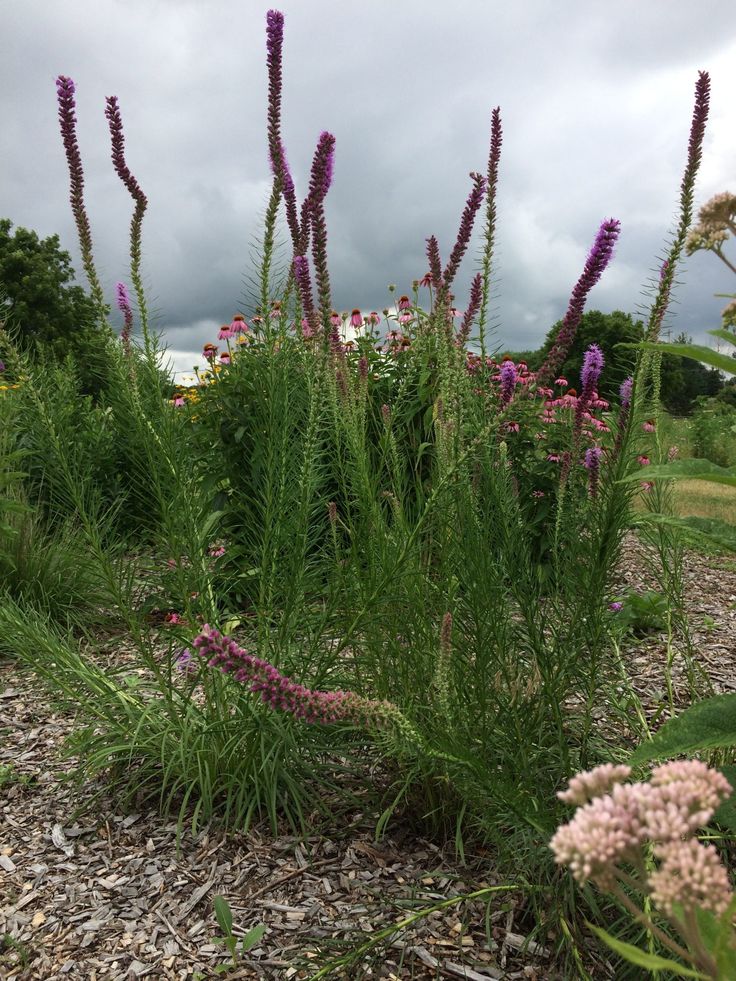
110, 894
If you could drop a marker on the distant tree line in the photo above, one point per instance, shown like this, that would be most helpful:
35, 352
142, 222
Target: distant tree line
683, 380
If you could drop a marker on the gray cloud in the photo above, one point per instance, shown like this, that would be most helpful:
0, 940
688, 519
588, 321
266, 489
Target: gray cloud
596, 101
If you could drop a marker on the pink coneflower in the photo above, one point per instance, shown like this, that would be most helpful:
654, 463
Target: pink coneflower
649, 426
178, 401
512, 427
647, 486
426, 280
225, 357
373, 318
405, 318
561, 381
209, 351
643, 461
538, 493
335, 319
215, 552
239, 325
356, 320
553, 458
173, 618
404, 303
225, 332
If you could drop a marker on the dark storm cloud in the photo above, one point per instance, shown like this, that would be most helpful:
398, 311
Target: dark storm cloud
596, 101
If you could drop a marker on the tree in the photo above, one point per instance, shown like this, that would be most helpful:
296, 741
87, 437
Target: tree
606, 330
41, 304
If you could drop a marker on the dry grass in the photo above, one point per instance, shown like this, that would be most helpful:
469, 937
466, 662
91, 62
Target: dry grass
705, 500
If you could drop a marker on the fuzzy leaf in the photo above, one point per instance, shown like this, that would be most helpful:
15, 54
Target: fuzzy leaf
223, 915
710, 724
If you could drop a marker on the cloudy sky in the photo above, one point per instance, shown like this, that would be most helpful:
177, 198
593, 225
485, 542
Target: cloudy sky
596, 99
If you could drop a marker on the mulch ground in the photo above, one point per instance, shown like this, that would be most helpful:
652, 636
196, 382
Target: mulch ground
114, 895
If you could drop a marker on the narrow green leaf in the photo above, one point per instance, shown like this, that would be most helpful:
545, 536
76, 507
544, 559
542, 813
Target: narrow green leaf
711, 531
643, 959
710, 724
724, 335
696, 352
692, 469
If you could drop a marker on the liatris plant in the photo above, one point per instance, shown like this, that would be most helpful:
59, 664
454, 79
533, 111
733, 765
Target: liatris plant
639, 837
115, 121
283, 694
68, 121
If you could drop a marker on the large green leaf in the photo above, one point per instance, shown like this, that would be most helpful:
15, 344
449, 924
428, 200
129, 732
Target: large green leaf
710, 531
696, 352
710, 724
725, 815
643, 959
691, 469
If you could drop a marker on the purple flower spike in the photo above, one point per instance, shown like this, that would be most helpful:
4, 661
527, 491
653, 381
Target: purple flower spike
68, 122
474, 301
625, 392
593, 362
301, 275
475, 199
123, 302
598, 258
435, 263
508, 381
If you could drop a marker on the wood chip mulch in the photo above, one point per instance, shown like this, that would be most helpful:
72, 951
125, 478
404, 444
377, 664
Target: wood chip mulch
115, 895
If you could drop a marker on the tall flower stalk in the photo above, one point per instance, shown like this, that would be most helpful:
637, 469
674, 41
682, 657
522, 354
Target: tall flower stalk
65, 90
489, 233
598, 258
117, 138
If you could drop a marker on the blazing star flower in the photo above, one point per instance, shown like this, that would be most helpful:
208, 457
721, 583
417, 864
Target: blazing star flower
2, 366
508, 381
356, 320
593, 362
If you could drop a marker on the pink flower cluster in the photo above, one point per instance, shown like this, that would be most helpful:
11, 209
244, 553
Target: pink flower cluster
615, 819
